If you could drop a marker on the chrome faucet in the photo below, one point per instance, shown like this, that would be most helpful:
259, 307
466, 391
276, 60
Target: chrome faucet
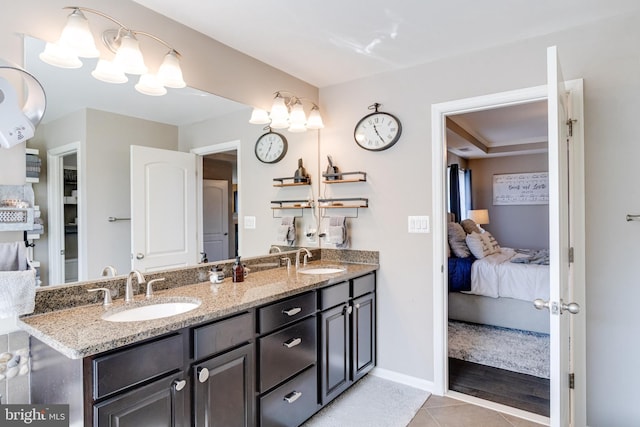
275, 248
128, 290
306, 257
109, 270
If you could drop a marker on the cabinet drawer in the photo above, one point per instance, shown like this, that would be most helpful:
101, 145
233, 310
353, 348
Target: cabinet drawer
116, 371
364, 285
284, 353
283, 312
224, 334
334, 295
292, 403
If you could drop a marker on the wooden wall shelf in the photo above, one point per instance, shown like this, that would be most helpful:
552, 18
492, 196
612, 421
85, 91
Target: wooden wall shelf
339, 178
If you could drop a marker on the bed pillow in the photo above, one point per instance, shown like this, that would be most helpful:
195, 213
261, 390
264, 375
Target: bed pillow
457, 241
469, 226
491, 242
478, 245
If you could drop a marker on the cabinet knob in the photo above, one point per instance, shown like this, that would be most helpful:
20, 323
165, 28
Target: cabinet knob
203, 375
293, 396
178, 384
292, 311
347, 309
292, 342
357, 306
139, 256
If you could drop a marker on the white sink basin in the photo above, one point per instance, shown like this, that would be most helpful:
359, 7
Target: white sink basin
321, 270
151, 311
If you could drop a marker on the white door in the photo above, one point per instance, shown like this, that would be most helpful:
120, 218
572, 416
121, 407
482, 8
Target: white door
163, 209
559, 244
215, 220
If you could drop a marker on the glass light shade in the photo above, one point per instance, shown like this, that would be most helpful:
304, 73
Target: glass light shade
315, 119
279, 110
149, 85
170, 73
77, 36
298, 117
109, 72
259, 117
129, 56
60, 56
279, 124
479, 216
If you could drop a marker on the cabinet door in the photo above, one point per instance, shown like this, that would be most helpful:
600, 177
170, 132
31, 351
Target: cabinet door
223, 390
363, 323
335, 357
159, 404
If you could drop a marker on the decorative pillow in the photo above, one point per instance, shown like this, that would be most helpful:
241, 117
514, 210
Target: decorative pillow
469, 226
457, 240
478, 245
491, 242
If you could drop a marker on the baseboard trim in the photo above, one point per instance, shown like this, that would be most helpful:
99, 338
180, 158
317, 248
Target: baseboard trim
403, 379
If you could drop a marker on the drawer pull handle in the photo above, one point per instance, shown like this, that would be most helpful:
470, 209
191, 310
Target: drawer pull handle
203, 375
292, 311
293, 396
292, 342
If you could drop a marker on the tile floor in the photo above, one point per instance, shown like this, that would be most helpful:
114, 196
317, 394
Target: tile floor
447, 412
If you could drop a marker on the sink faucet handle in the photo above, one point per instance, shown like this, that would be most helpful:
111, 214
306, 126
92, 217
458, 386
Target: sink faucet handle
107, 295
150, 286
287, 262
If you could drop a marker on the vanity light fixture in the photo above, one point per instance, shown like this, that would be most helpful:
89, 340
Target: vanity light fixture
76, 41
287, 112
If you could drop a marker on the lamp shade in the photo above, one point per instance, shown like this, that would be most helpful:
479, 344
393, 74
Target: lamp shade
170, 73
77, 36
109, 72
259, 117
129, 56
60, 56
479, 216
149, 85
279, 110
315, 120
297, 119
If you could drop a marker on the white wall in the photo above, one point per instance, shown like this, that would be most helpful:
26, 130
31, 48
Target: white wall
256, 178
607, 56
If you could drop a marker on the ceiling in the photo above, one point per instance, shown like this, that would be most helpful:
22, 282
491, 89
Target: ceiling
307, 39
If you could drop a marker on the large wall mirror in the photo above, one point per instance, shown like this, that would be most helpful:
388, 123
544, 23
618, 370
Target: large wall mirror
84, 143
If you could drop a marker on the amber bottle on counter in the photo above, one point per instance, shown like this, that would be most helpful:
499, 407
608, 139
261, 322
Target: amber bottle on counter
238, 271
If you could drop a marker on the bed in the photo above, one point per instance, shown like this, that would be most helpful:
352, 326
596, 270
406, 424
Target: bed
497, 287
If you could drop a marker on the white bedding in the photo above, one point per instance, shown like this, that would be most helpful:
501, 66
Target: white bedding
496, 276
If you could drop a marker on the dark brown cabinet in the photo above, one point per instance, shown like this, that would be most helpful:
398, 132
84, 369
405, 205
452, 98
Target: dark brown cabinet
223, 390
347, 334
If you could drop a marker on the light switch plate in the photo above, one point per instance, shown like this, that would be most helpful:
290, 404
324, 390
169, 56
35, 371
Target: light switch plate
418, 224
249, 222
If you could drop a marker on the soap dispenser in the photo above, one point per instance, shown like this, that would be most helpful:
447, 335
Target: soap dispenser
301, 173
238, 271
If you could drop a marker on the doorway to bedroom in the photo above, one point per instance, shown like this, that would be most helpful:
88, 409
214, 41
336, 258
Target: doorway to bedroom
498, 241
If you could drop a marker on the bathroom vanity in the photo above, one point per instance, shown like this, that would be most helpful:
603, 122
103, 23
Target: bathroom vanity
269, 351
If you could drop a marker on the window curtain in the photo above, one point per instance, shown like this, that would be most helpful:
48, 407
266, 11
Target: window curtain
460, 185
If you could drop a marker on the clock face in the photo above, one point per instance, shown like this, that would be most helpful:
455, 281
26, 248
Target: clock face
271, 147
377, 131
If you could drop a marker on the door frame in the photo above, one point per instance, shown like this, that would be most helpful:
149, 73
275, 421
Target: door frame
55, 193
213, 149
439, 113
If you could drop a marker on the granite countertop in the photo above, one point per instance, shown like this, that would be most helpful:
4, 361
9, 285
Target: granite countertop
80, 332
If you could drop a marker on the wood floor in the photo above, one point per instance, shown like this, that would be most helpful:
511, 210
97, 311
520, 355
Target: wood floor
517, 390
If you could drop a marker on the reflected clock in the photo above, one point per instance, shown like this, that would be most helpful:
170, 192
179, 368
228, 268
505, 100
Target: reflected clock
271, 147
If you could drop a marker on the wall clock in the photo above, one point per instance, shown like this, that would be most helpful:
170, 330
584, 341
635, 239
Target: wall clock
271, 147
377, 131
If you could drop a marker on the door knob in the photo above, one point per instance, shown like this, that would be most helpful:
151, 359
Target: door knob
572, 307
139, 255
203, 375
178, 384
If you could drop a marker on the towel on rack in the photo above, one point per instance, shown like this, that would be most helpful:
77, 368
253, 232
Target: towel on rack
287, 230
13, 256
337, 231
17, 281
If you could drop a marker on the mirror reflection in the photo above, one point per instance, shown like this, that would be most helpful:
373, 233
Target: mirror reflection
84, 189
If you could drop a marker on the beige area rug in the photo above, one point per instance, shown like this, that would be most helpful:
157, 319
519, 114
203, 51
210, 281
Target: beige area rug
371, 402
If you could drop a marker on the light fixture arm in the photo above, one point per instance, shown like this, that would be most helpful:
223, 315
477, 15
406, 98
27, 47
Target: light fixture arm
111, 37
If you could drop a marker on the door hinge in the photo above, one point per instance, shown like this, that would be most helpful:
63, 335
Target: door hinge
570, 125
572, 380
571, 254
